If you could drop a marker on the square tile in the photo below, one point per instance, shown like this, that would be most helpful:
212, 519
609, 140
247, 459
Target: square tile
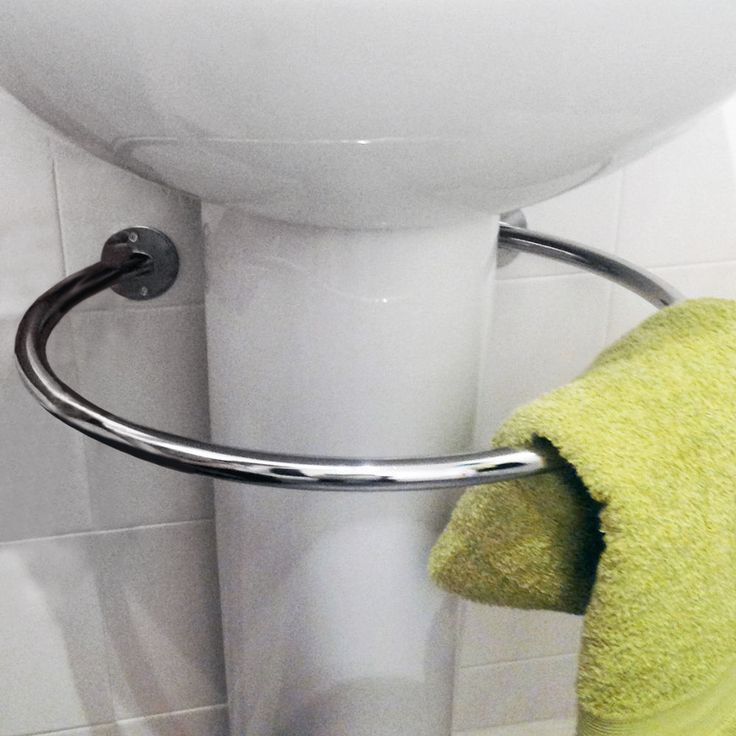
697, 280
194, 722
53, 672
515, 692
493, 635
586, 215
544, 332
198, 722
30, 244
678, 203
17, 119
148, 366
162, 617
43, 484
96, 199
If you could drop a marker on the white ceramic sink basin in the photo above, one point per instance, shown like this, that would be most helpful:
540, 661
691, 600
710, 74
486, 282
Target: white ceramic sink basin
367, 336
364, 113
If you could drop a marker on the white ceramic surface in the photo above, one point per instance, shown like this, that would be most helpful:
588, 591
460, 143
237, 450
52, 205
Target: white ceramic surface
369, 113
76, 609
361, 114
41, 492
147, 365
52, 636
159, 595
563, 727
341, 343
521, 691
35, 448
494, 634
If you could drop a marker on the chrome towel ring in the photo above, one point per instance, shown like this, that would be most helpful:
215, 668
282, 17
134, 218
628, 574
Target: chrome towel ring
141, 263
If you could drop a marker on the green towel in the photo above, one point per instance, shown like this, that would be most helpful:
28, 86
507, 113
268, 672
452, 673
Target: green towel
638, 533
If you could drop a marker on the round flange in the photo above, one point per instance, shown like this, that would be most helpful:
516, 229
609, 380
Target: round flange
506, 255
161, 268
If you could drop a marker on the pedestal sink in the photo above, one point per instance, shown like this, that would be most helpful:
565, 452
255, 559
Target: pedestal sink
355, 155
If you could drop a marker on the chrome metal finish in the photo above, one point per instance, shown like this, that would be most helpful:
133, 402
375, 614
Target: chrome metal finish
648, 286
126, 261
515, 218
163, 261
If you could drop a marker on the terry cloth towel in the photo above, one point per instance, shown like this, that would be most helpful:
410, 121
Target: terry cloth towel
638, 532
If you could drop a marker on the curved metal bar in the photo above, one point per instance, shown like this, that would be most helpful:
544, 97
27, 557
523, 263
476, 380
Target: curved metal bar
308, 473
648, 286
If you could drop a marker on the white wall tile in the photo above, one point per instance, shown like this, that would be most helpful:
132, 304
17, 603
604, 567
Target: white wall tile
678, 206
97, 199
30, 246
161, 608
515, 692
679, 202
556, 727
43, 486
588, 215
698, 280
545, 331
198, 722
18, 121
162, 590
148, 366
53, 672
209, 721
492, 635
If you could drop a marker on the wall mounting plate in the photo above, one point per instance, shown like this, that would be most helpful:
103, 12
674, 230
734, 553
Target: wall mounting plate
163, 261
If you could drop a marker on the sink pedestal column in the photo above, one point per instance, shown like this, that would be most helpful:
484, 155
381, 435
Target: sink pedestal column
342, 343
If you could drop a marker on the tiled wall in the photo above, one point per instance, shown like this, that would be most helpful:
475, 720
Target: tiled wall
108, 591
108, 588
674, 212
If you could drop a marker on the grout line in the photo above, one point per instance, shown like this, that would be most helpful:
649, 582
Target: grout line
101, 532
580, 272
503, 662
608, 331
82, 444
652, 267
127, 721
562, 269
606, 327
486, 304
717, 262
98, 577
185, 712
619, 212
57, 205
123, 308
504, 728
84, 457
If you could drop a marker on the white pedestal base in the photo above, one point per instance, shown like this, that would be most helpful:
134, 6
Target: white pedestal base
341, 343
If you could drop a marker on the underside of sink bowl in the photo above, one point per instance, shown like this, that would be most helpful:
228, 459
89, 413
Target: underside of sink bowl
369, 114
364, 340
